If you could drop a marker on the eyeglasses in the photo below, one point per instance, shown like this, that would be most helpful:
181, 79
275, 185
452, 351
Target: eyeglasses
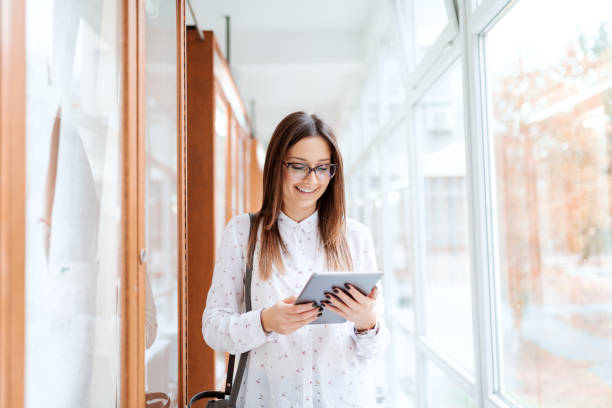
300, 171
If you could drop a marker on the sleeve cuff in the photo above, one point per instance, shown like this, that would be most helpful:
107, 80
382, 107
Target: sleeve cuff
258, 331
368, 333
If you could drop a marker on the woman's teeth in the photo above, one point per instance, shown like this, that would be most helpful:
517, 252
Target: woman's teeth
303, 190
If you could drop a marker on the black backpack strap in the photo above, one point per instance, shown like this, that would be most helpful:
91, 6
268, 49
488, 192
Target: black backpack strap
248, 277
239, 374
229, 390
230, 374
206, 394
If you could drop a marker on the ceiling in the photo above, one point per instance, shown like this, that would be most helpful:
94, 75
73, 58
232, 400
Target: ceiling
289, 55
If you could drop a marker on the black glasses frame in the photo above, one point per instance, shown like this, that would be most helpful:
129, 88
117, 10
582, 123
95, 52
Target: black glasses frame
332, 166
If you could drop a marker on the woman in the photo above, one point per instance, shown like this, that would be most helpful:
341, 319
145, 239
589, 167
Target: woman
301, 228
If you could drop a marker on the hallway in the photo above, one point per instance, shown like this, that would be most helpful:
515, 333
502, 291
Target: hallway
476, 147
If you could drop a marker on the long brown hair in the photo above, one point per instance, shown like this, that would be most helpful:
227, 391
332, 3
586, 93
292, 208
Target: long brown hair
331, 207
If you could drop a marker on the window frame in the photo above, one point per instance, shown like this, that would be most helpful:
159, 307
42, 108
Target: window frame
418, 69
12, 202
429, 351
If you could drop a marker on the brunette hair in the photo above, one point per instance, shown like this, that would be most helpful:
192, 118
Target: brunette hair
331, 207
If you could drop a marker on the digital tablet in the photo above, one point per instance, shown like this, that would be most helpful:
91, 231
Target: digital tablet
320, 283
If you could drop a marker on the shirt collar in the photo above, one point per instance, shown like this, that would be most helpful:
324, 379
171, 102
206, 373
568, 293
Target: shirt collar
309, 224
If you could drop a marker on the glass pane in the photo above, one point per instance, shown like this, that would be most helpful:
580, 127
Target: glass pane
241, 161
399, 297
403, 366
221, 146
369, 110
357, 201
373, 180
161, 201
356, 135
396, 158
439, 120
377, 229
391, 78
550, 114
74, 196
232, 174
443, 392
427, 19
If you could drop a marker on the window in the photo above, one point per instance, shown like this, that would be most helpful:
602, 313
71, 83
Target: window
550, 109
392, 91
448, 302
443, 392
161, 197
400, 254
221, 146
402, 380
74, 202
426, 26
369, 110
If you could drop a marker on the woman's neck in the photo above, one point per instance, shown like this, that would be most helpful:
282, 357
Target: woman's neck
299, 214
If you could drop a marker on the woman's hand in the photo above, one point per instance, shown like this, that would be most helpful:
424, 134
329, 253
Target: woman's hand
353, 305
285, 317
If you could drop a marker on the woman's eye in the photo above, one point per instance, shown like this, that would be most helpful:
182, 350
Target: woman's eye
298, 167
323, 168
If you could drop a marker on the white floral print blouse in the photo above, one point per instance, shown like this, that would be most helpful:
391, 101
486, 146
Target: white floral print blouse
316, 366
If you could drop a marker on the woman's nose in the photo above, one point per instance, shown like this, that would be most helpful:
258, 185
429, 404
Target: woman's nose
312, 177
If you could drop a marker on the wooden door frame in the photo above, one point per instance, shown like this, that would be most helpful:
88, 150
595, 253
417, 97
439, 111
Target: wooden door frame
12, 202
181, 71
132, 290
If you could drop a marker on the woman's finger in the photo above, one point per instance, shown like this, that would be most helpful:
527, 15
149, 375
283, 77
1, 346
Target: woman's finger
373, 293
355, 293
307, 315
302, 307
315, 317
290, 300
295, 325
338, 303
345, 298
332, 298
336, 310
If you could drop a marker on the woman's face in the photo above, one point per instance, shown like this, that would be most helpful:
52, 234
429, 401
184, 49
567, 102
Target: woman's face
303, 193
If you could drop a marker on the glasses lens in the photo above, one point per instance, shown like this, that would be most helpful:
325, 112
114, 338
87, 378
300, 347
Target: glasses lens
297, 171
326, 171
332, 170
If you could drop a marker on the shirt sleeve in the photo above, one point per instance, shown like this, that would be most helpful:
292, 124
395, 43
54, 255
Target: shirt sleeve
370, 346
225, 324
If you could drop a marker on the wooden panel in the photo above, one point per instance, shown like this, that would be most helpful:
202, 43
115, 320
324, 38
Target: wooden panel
228, 85
200, 206
229, 179
181, 200
132, 276
12, 202
256, 179
246, 157
237, 165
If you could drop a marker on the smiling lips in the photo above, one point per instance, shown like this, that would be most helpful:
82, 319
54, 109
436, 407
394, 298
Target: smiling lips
303, 190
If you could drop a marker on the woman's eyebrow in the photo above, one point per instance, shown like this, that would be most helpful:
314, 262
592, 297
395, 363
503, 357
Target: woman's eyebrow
302, 159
